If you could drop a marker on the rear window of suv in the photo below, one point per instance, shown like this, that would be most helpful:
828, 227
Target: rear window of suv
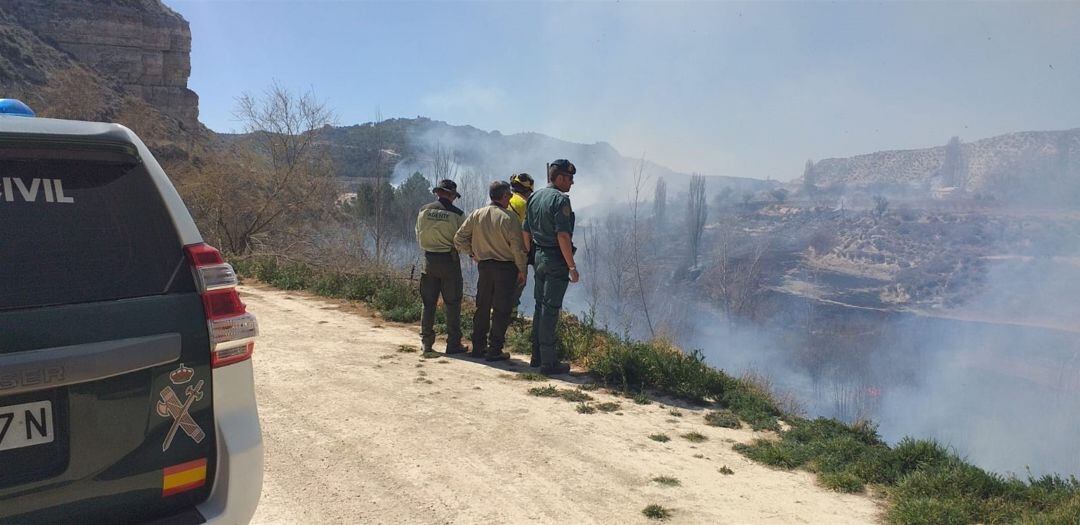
80, 226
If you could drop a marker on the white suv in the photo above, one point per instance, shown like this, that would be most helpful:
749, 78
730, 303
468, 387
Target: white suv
126, 389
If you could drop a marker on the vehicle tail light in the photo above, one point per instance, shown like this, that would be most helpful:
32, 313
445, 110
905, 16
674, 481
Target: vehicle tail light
232, 328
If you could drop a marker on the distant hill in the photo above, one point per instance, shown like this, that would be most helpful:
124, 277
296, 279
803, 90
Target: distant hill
403, 146
1031, 166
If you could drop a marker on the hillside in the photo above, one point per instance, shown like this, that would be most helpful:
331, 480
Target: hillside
409, 145
1019, 166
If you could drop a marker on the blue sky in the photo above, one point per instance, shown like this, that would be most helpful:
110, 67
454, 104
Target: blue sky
718, 88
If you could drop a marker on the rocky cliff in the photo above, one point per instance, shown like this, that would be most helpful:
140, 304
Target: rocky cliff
141, 46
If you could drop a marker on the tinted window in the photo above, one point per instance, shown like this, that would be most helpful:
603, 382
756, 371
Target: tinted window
79, 227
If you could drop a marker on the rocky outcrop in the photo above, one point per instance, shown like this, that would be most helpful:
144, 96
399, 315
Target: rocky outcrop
142, 44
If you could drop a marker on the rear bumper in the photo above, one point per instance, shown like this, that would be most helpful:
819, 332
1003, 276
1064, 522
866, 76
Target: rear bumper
238, 482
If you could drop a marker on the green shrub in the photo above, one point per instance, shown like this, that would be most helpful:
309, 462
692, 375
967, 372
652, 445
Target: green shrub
722, 418
404, 314
842, 482
585, 408
292, 276
544, 391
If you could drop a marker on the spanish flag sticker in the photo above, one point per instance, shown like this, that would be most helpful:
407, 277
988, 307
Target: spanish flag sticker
183, 477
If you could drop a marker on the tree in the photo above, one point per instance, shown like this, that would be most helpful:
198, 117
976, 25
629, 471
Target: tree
881, 204
696, 213
637, 239
275, 179
660, 202
779, 194
408, 198
443, 164
953, 168
809, 184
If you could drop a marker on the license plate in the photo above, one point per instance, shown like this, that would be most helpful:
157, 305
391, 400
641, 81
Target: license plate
26, 425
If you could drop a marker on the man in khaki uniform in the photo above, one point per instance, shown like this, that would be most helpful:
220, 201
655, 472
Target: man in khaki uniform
492, 236
435, 228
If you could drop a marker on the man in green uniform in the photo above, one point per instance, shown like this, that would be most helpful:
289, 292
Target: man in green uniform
549, 225
435, 228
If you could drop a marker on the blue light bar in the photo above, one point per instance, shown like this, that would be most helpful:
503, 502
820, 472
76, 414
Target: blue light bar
10, 106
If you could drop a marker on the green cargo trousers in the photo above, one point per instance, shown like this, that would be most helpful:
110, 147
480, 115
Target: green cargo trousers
494, 301
549, 287
441, 276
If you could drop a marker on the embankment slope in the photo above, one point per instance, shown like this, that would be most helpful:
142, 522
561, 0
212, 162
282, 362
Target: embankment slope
358, 432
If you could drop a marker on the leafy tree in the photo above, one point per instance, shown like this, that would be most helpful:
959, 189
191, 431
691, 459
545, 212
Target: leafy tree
696, 212
809, 184
953, 168
660, 202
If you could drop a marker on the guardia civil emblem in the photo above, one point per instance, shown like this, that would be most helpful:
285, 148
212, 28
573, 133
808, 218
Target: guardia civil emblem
171, 406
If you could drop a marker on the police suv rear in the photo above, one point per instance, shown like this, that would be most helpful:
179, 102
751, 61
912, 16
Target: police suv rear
126, 392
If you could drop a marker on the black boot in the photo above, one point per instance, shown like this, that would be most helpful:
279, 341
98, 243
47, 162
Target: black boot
556, 369
501, 356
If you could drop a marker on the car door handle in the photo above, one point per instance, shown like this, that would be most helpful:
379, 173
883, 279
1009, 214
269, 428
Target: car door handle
68, 365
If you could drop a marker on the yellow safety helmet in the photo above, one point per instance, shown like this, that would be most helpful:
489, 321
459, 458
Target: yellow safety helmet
521, 182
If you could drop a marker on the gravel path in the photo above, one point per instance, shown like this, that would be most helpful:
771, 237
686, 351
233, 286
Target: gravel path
358, 432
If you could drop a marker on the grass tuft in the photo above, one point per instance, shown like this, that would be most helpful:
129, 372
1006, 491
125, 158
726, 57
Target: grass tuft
530, 376
695, 437
726, 471
574, 396
662, 438
667, 481
642, 399
723, 418
407, 349
675, 413
608, 406
544, 391
585, 408
656, 512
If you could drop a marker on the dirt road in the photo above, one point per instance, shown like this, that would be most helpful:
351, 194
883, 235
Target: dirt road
357, 432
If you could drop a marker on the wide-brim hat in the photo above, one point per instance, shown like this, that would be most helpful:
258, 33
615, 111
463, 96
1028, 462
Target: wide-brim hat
447, 185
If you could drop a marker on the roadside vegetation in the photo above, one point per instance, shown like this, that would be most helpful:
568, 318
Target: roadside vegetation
924, 481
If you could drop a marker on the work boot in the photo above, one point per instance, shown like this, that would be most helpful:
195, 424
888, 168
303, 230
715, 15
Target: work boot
534, 360
558, 368
501, 356
459, 349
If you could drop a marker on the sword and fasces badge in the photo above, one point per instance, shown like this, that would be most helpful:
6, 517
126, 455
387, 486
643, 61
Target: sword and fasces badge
171, 406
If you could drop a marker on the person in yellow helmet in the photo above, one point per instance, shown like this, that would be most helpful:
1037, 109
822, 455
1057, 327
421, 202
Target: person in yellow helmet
521, 185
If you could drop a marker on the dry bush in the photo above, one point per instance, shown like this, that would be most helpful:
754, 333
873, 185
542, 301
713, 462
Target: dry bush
274, 186
74, 94
148, 123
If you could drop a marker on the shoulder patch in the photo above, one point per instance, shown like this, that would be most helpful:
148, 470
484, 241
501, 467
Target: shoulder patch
566, 209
